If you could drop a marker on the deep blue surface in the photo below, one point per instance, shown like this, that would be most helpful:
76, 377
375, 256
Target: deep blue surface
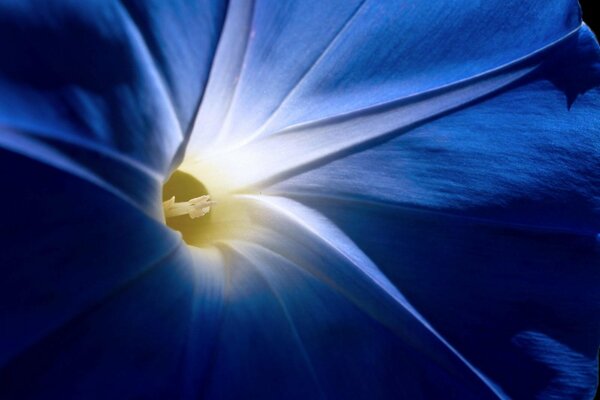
425, 218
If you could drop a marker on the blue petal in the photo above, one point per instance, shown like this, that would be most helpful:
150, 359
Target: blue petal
307, 315
95, 100
121, 79
526, 156
308, 60
469, 264
487, 221
97, 298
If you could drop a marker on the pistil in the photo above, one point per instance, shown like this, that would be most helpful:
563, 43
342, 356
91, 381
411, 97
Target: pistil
195, 208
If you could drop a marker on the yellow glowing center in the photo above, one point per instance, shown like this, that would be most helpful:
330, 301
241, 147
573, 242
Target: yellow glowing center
202, 218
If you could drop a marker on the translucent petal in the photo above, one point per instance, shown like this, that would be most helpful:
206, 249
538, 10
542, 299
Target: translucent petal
309, 60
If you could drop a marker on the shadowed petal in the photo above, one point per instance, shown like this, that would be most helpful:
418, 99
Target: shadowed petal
487, 221
119, 78
68, 245
571, 372
149, 339
97, 298
288, 305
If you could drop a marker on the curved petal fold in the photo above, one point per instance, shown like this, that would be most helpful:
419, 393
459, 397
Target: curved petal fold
97, 298
71, 246
147, 340
119, 176
310, 60
487, 221
528, 155
112, 76
482, 286
296, 285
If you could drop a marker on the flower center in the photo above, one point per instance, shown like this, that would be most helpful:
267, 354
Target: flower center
204, 219
187, 206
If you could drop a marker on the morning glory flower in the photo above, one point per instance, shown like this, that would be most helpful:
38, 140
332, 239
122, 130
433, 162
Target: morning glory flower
299, 199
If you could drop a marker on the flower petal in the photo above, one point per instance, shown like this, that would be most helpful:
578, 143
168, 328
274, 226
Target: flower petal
309, 314
526, 156
487, 220
483, 286
97, 298
63, 233
309, 60
121, 79
147, 340
261, 161
118, 176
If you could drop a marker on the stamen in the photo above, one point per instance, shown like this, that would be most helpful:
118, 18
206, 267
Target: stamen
195, 207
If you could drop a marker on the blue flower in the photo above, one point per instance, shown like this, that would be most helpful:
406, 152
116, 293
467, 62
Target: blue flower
407, 199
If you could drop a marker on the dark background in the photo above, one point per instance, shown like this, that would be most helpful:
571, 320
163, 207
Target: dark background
589, 17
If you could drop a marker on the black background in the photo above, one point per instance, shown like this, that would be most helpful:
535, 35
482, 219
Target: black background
589, 17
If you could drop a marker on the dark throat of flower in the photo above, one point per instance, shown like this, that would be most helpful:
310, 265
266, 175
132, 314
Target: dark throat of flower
187, 206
